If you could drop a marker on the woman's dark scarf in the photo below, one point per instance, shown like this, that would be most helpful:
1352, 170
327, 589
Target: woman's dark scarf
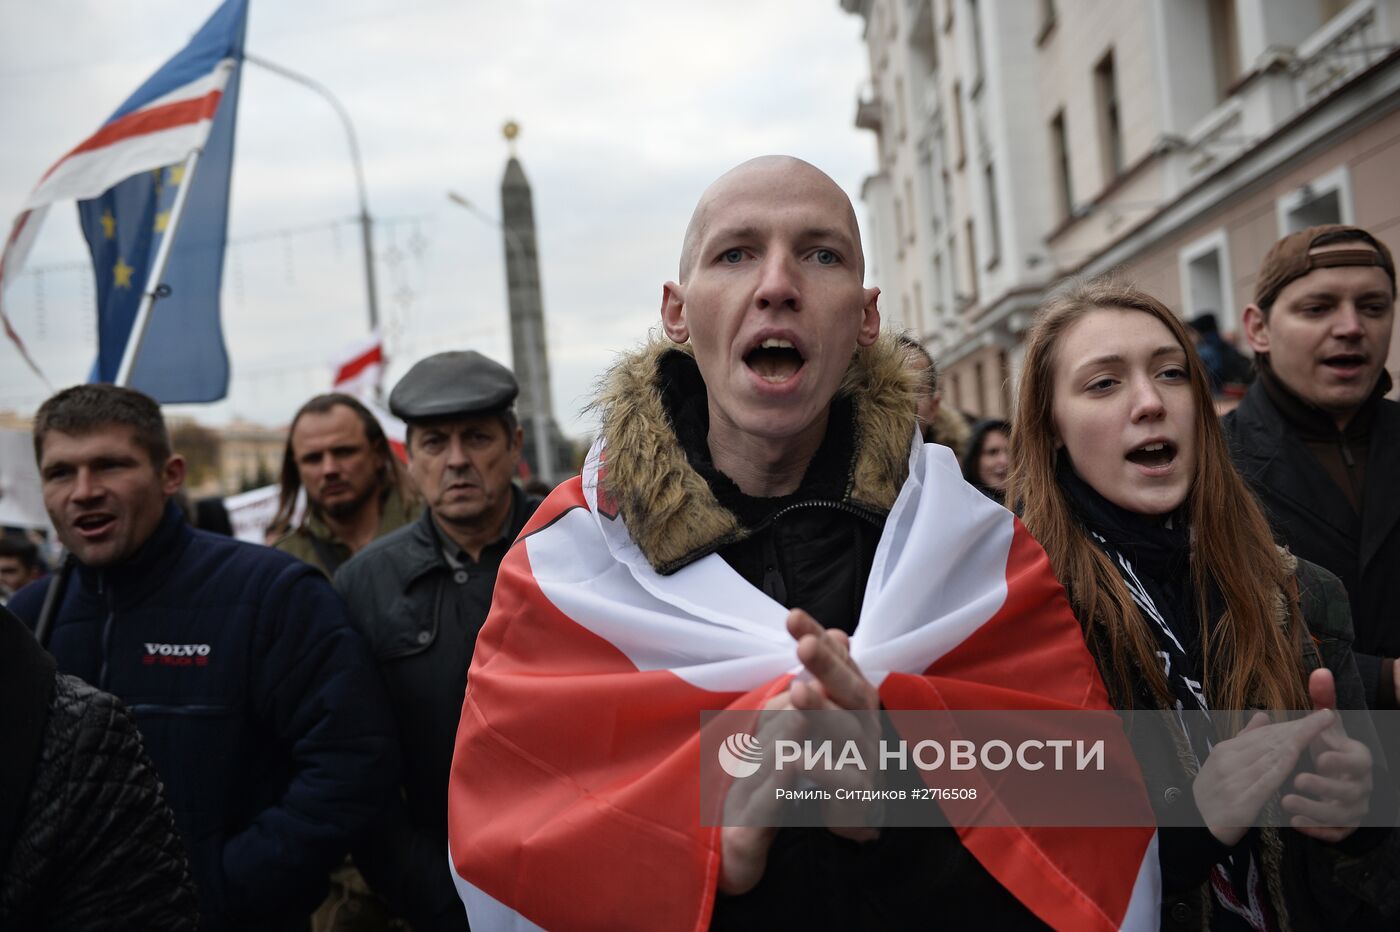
1153, 556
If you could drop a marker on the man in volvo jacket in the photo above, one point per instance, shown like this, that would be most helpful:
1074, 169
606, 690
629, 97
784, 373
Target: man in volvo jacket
258, 702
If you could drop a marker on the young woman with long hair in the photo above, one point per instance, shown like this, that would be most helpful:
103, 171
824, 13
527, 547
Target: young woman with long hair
1121, 471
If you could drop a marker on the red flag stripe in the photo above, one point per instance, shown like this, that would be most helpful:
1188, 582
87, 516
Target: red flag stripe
144, 122
618, 775
370, 357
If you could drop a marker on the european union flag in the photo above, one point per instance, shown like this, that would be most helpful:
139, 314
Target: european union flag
182, 358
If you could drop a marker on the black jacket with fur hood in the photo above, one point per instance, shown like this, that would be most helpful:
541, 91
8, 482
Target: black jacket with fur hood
812, 550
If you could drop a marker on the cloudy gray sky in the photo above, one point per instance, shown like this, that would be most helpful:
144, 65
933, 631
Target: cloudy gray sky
628, 107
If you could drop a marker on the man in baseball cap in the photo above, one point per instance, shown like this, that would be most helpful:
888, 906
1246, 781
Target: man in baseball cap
420, 596
1315, 437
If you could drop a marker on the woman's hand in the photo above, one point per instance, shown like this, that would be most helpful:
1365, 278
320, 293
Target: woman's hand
1242, 773
1332, 799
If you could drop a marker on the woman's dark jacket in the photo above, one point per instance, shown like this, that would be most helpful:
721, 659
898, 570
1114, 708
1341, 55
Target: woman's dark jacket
1311, 884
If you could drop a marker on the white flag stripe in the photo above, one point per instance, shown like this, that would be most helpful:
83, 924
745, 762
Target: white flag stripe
1145, 907
17, 249
484, 911
710, 627
215, 80
88, 174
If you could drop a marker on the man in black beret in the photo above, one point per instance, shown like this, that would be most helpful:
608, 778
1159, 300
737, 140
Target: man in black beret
420, 596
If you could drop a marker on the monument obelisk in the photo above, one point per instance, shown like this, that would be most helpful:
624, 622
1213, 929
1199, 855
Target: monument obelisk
545, 450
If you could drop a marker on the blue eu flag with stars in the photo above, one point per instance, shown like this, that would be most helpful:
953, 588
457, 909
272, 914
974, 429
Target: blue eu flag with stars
182, 358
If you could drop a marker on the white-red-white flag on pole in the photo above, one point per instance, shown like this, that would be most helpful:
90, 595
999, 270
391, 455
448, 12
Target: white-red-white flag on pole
169, 116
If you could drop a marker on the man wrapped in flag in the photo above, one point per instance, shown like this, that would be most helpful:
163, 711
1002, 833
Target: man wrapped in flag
755, 529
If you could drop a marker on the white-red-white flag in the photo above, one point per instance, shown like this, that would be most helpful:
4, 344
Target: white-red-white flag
358, 372
575, 796
159, 125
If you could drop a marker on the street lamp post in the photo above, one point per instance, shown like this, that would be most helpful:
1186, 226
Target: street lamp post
544, 450
366, 224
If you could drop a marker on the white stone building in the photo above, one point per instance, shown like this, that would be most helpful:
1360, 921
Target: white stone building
1175, 140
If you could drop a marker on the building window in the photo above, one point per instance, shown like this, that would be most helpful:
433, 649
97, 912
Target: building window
938, 281
979, 383
989, 181
970, 231
1059, 151
974, 19
1004, 374
902, 106
1324, 199
1206, 280
923, 37
958, 134
913, 212
1110, 126
954, 273
1224, 45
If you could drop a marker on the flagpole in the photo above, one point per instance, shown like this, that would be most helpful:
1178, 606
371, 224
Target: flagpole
153, 285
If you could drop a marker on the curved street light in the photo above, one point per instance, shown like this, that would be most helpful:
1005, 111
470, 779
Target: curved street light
366, 224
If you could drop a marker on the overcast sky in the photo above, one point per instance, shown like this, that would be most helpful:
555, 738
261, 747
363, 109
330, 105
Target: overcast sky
628, 109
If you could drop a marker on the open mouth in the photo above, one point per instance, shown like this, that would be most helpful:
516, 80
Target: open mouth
93, 525
774, 360
1345, 362
1154, 455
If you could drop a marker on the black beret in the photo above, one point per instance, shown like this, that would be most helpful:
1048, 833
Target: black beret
451, 384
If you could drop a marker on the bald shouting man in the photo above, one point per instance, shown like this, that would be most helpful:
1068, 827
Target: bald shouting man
720, 540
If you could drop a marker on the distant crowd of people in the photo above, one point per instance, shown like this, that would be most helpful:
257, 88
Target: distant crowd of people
437, 699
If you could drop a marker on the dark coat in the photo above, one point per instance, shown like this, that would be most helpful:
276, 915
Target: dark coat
258, 702
813, 550
421, 618
1312, 517
1322, 886
86, 839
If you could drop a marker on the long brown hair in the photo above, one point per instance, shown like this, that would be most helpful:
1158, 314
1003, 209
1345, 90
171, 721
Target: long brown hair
1249, 660
391, 474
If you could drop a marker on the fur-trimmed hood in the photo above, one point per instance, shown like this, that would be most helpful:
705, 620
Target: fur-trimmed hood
669, 508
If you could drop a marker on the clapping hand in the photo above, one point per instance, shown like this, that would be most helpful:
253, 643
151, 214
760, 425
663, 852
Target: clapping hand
1244, 772
1331, 799
830, 681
